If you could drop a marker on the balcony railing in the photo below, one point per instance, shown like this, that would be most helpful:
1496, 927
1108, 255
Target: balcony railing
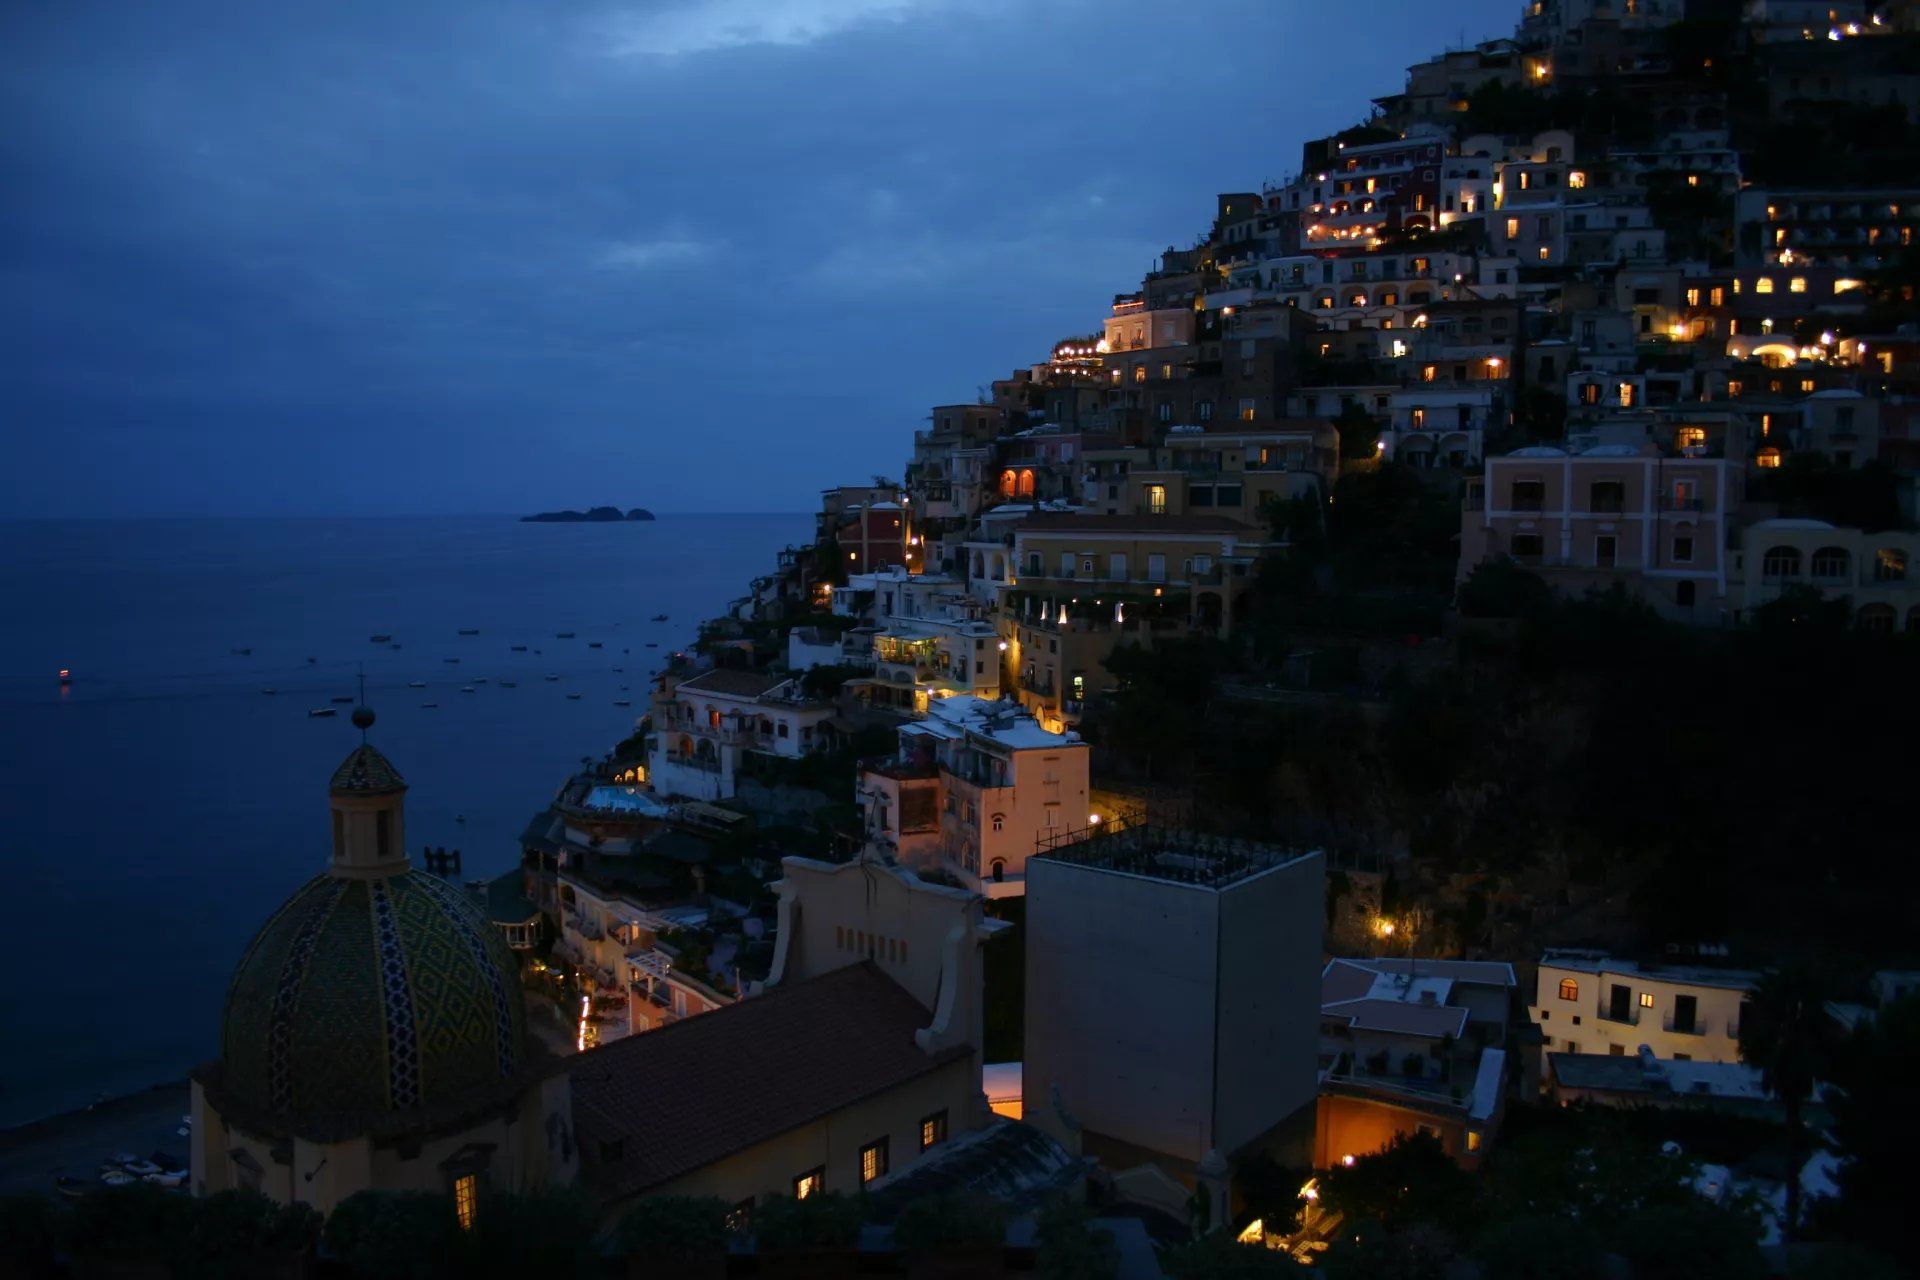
1631, 1018
1697, 1027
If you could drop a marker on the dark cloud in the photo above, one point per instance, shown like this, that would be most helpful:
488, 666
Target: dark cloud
451, 256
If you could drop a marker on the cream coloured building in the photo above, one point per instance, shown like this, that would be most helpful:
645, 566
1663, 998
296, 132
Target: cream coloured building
1878, 573
1205, 559
860, 1060
1589, 1002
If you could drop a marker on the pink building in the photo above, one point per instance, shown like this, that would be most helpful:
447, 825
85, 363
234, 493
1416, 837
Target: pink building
1615, 513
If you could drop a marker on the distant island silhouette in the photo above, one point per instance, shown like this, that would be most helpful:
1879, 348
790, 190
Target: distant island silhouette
592, 513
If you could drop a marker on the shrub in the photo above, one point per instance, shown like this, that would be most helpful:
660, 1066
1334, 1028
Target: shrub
140, 1222
675, 1228
395, 1235
957, 1220
824, 1220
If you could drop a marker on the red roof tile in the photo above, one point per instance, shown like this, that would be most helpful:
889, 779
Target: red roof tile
678, 1099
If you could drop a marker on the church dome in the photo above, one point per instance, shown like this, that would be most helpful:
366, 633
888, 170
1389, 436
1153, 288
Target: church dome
362, 998
378, 997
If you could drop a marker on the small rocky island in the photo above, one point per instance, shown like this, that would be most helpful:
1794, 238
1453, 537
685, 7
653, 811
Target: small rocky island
598, 514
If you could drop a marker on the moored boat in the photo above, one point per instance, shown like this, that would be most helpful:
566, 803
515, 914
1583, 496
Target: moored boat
321, 713
380, 639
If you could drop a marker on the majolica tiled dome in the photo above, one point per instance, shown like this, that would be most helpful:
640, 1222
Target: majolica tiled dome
366, 997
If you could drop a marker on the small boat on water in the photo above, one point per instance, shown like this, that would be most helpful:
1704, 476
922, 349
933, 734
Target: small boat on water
242, 653
416, 684
652, 645
466, 688
573, 697
428, 706
563, 635
659, 617
393, 646
621, 702
453, 660
115, 1178
553, 677
469, 631
74, 1187
321, 713
380, 639
66, 676
618, 670
311, 661
519, 648
479, 679
593, 644
344, 700
509, 684
269, 691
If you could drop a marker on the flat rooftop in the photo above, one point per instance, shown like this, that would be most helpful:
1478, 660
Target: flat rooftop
1170, 854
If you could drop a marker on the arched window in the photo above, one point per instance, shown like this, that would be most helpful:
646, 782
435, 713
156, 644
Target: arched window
1780, 564
1026, 483
1877, 618
1569, 989
1009, 483
1890, 565
999, 869
1831, 562
999, 821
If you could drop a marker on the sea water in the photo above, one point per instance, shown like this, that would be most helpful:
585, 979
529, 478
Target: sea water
154, 811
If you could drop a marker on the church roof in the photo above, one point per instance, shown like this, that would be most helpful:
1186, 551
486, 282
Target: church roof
659, 1105
371, 1005
367, 772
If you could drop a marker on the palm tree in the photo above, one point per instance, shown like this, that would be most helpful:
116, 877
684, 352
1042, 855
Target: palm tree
1786, 1032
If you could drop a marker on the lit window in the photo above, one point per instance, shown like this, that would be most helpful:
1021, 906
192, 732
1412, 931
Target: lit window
873, 1161
1768, 458
1646, 999
1763, 285
1569, 989
1157, 499
1419, 419
1626, 395
1577, 180
1693, 297
933, 1130
1890, 565
1690, 437
1734, 388
1545, 253
1848, 286
466, 1199
812, 1182
1513, 228
1797, 285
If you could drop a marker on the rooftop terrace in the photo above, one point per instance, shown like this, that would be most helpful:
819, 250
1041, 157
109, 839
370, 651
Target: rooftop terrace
1171, 854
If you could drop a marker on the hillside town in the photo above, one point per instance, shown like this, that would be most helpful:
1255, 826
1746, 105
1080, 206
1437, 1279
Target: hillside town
1357, 757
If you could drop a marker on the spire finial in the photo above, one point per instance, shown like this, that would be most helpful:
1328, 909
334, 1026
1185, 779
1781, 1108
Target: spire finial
363, 714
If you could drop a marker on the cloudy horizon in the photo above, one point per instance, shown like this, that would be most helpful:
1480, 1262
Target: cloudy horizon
710, 255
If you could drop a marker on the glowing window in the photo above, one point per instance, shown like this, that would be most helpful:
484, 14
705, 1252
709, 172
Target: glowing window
1763, 285
1545, 253
1646, 999
1890, 565
933, 1130
1577, 180
1797, 285
1157, 499
1569, 989
812, 1182
466, 1199
1513, 228
873, 1161
1626, 395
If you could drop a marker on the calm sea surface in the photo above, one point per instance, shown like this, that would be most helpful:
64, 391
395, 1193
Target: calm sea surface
153, 813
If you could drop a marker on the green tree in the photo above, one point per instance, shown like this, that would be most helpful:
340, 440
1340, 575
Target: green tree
1786, 1032
1411, 1180
1876, 1126
1071, 1247
1501, 589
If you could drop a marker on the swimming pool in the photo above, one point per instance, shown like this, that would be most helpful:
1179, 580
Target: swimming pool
625, 800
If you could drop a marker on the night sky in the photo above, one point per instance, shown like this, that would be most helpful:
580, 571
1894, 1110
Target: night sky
459, 256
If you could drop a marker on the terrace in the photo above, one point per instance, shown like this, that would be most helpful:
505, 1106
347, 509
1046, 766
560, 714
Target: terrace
1170, 854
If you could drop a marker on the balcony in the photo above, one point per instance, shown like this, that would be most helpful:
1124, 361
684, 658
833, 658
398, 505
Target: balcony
1630, 1019
691, 760
1694, 1028
1670, 503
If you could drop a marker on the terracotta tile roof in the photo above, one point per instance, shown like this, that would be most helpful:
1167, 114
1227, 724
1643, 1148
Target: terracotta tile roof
680, 1098
739, 684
